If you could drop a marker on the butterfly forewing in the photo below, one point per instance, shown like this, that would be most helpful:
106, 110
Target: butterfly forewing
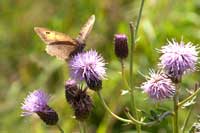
50, 36
58, 44
86, 29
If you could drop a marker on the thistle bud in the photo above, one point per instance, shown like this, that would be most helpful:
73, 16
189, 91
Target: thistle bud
80, 102
121, 46
82, 105
70, 90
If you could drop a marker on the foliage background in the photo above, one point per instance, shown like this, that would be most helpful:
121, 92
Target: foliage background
25, 66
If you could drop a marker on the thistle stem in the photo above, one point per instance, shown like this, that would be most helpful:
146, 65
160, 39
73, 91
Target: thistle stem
139, 18
189, 97
82, 126
108, 109
133, 106
133, 42
123, 74
187, 119
176, 100
151, 123
191, 108
59, 128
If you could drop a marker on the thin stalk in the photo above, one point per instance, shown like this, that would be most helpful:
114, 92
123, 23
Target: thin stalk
176, 100
189, 98
191, 108
133, 105
138, 19
187, 119
82, 126
151, 123
123, 74
108, 109
59, 128
133, 41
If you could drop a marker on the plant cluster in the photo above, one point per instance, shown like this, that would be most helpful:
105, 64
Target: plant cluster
87, 71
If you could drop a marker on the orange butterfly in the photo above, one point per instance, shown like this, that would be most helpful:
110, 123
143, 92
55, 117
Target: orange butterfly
61, 45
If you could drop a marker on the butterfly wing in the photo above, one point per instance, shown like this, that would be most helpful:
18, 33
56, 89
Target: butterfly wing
85, 30
58, 44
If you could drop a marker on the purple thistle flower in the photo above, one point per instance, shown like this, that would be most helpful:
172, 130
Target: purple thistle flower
88, 66
36, 102
158, 86
178, 58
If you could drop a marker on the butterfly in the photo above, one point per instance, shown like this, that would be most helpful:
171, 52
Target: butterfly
63, 46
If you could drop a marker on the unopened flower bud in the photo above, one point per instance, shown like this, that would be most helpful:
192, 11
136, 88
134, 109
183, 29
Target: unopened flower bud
79, 100
121, 46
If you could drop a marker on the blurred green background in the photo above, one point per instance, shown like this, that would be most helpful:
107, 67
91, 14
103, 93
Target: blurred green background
25, 66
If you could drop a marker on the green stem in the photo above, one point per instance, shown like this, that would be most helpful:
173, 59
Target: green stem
133, 105
59, 128
123, 74
176, 100
82, 126
133, 41
151, 123
191, 108
138, 19
187, 119
108, 109
189, 98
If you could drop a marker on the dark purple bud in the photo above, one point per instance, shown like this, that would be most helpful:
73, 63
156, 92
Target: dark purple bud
121, 46
49, 116
71, 89
93, 83
82, 105
78, 99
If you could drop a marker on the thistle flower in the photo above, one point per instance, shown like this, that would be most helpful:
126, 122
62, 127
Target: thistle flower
88, 66
78, 99
195, 128
121, 46
177, 58
158, 86
36, 102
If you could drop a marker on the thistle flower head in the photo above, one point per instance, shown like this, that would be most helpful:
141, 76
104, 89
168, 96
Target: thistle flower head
178, 58
36, 102
78, 99
158, 86
121, 46
88, 66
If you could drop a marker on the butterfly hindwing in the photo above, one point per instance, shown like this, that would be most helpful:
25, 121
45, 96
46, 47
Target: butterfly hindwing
61, 51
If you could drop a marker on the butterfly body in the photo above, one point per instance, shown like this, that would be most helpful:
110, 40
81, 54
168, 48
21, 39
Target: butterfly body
61, 45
